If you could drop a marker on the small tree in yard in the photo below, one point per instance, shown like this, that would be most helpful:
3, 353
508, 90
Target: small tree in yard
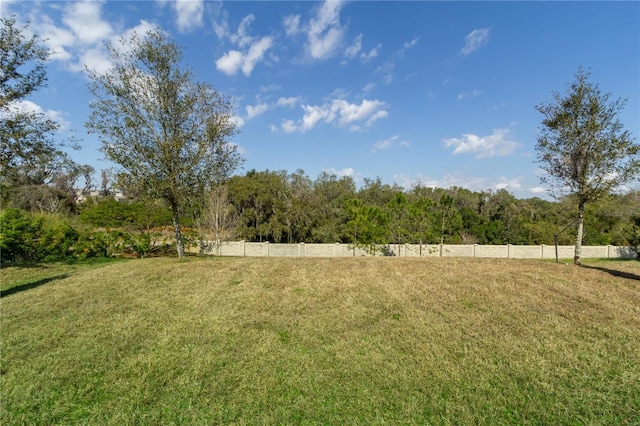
218, 222
168, 133
583, 147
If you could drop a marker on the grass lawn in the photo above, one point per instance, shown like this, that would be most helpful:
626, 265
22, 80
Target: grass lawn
321, 341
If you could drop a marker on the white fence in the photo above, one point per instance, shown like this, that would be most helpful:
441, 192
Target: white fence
509, 251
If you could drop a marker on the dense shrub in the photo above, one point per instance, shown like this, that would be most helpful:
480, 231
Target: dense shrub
634, 239
110, 213
18, 231
28, 236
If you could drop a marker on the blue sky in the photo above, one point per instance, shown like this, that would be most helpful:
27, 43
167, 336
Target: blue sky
436, 93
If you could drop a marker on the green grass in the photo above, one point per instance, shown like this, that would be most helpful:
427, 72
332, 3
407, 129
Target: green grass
321, 341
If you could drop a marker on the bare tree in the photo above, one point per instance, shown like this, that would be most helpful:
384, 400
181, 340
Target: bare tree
218, 221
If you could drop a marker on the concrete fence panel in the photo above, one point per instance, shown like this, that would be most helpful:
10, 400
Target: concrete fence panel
525, 252
450, 250
497, 251
595, 251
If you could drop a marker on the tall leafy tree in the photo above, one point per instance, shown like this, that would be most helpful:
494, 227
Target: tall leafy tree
35, 170
168, 133
398, 215
583, 147
421, 224
368, 224
330, 194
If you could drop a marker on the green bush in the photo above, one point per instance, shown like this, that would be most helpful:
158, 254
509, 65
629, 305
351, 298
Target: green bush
28, 237
56, 238
18, 231
110, 213
93, 243
634, 239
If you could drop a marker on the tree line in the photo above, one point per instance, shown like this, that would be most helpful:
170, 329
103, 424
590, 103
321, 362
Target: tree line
283, 207
169, 137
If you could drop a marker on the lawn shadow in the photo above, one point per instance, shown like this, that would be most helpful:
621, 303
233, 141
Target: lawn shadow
29, 286
615, 273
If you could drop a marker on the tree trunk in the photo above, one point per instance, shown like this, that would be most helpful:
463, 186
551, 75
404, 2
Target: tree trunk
578, 248
355, 240
176, 228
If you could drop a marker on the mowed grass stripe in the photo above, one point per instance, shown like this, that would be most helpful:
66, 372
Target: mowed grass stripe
322, 341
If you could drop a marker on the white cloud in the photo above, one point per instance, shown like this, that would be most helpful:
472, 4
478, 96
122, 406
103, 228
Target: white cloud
254, 111
353, 50
270, 88
325, 32
79, 41
508, 184
142, 28
538, 190
386, 71
498, 144
255, 54
337, 111
406, 46
188, 14
237, 120
288, 126
261, 108
475, 40
380, 145
58, 40
26, 106
288, 102
246, 60
233, 61
220, 22
410, 44
230, 62
368, 87
85, 21
347, 171
377, 116
291, 25
350, 113
95, 58
313, 114
467, 95
389, 143
366, 57
241, 38
461, 181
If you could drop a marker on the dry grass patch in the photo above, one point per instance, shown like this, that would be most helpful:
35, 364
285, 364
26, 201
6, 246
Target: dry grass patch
325, 341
